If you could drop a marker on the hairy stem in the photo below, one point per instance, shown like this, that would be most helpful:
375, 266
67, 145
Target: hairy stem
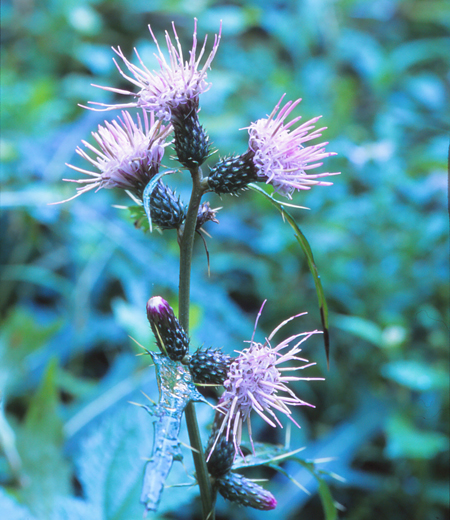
186, 247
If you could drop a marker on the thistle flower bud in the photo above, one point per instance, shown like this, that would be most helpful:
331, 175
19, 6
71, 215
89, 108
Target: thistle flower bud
221, 459
209, 366
237, 488
191, 140
166, 210
206, 214
170, 336
232, 174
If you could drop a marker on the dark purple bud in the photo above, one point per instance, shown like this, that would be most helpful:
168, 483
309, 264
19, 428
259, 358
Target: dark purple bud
169, 334
166, 209
232, 174
191, 141
209, 366
221, 459
237, 488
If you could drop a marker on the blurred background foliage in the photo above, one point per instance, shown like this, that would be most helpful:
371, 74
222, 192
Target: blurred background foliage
75, 277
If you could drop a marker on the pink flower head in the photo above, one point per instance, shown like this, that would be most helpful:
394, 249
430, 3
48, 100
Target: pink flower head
256, 382
281, 158
129, 154
176, 83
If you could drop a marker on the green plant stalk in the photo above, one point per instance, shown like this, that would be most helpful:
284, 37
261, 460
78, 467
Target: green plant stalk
186, 248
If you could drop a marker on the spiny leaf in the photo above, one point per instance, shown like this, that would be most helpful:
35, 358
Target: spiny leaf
265, 454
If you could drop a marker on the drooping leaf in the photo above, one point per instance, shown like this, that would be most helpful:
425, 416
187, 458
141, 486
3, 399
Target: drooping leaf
148, 193
327, 500
111, 465
311, 264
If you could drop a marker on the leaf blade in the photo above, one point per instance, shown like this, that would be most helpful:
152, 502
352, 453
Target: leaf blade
323, 307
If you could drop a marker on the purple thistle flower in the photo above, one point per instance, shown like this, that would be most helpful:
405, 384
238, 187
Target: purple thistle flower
280, 156
256, 382
177, 83
128, 157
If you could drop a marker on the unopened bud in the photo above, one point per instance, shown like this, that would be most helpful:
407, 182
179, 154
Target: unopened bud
191, 140
237, 488
209, 366
232, 174
170, 336
166, 210
220, 460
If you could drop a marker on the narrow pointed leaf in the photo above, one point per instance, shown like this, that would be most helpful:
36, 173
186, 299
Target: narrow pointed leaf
311, 264
327, 500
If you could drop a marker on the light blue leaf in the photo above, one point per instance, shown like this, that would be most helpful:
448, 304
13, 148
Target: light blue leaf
11, 510
404, 440
111, 465
360, 327
416, 375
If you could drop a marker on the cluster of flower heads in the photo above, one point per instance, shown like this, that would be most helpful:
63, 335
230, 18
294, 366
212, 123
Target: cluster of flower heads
253, 381
129, 153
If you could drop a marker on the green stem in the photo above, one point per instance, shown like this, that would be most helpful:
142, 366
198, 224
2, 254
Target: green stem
186, 248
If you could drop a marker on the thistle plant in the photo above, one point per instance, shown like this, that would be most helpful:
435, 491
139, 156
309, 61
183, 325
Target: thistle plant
129, 155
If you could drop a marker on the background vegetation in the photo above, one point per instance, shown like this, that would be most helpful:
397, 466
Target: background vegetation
75, 278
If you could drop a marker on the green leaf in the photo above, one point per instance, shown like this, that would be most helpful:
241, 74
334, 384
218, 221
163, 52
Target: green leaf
327, 500
416, 375
324, 490
40, 442
111, 464
111, 467
11, 510
271, 456
148, 193
404, 440
137, 213
311, 264
265, 454
42, 418
38, 275
364, 329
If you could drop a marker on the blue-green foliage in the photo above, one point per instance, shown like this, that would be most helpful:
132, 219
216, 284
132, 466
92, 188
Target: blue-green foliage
75, 277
